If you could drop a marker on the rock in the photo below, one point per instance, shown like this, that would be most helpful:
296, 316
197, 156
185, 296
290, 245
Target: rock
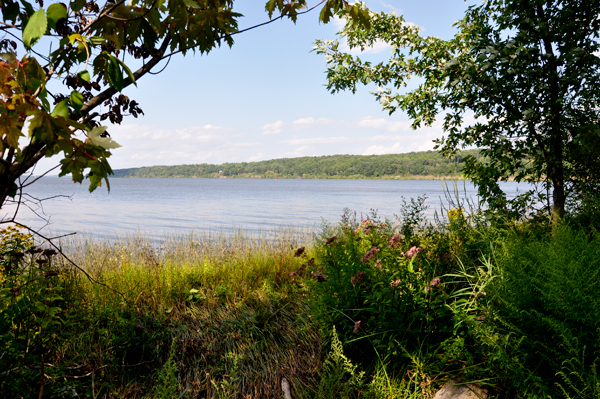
454, 390
285, 387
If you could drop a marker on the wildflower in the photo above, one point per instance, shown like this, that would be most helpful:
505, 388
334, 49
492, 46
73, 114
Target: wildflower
435, 282
394, 240
33, 250
41, 262
412, 252
320, 277
394, 284
51, 273
331, 240
367, 231
311, 262
356, 327
427, 289
49, 253
356, 279
370, 254
378, 264
17, 255
298, 271
299, 252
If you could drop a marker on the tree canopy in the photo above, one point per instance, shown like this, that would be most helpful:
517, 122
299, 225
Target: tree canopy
520, 80
428, 164
50, 101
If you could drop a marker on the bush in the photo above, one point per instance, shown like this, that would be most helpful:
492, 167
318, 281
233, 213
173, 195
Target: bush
373, 285
545, 304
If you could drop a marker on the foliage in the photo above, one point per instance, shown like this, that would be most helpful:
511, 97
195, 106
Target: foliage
519, 80
382, 290
33, 313
166, 385
544, 303
339, 377
89, 43
411, 165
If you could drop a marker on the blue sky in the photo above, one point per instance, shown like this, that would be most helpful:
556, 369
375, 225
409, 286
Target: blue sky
265, 98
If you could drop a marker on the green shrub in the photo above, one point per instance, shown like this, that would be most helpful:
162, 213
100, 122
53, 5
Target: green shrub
377, 288
543, 328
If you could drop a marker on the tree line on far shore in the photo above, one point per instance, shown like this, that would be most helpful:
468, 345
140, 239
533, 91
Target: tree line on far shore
424, 164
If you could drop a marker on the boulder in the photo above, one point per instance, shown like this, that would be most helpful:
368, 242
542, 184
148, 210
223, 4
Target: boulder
454, 390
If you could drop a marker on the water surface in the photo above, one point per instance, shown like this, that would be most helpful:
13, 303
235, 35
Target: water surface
173, 206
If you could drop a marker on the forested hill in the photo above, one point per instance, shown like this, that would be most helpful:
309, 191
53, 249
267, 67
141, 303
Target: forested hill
414, 165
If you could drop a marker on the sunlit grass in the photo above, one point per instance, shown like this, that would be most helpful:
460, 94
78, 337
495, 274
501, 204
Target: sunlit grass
239, 320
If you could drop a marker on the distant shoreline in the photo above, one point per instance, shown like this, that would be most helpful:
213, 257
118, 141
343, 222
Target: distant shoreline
425, 165
411, 177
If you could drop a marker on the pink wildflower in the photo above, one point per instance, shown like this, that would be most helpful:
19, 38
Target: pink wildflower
370, 254
378, 264
394, 284
356, 279
394, 240
435, 282
412, 252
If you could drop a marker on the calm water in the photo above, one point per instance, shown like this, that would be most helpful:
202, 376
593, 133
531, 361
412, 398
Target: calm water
173, 206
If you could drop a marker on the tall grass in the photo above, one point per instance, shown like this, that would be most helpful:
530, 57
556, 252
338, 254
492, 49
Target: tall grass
237, 320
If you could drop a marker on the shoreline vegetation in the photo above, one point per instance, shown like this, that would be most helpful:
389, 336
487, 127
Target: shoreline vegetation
425, 165
364, 308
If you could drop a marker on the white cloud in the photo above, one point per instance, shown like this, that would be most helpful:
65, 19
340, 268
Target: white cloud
305, 123
272, 128
316, 140
390, 6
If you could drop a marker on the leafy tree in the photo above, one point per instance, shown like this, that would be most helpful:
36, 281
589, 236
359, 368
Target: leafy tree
55, 96
526, 71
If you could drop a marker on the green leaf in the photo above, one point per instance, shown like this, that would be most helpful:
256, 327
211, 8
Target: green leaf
114, 75
84, 75
28, 8
127, 71
43, 96
326, 13
35, 29
190, 3
12, 191
77, 5
99, 137
270, 7
95, 40
61, 109
11, 11
56, 12
8, 57
76, 100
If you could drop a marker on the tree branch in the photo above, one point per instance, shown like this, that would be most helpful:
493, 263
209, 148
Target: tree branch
247, 29
111, 91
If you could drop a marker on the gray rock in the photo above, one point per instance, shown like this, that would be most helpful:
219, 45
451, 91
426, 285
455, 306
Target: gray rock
454, 390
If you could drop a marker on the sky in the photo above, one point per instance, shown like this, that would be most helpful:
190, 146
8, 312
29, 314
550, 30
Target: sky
265, 97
